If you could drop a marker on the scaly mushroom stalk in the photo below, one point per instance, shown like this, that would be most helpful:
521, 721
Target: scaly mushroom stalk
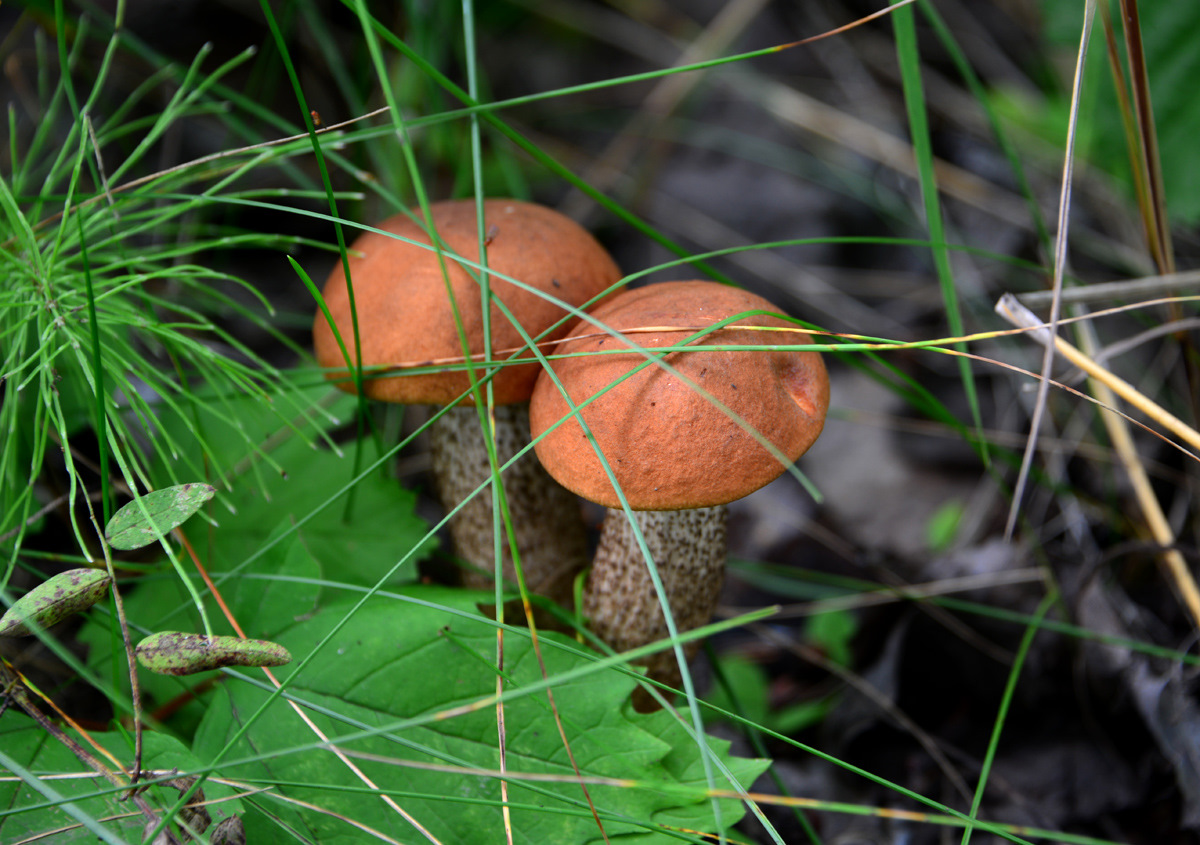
688, 547
677, 456
410, 306
545, 518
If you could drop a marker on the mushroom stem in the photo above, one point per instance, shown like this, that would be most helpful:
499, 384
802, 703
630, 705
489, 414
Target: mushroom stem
688, 547
546, 519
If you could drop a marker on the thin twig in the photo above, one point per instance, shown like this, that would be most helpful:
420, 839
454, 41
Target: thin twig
1156, 520
87, 121
1060, 261
135, 689
15, 689
42, 511
1108, 291
1105, 388
1126, 344
1013, 311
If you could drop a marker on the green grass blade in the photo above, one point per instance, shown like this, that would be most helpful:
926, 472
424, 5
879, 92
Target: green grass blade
903, 20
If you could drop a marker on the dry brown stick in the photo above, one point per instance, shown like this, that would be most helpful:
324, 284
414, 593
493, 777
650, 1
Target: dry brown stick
1105, 387
1130, 289
1012, 310
1160, 528
135, 690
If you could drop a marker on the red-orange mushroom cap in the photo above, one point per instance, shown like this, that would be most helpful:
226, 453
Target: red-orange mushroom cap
405, 314
676, 453
669, 446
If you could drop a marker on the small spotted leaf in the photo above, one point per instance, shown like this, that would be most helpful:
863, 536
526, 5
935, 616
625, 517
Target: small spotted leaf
52, 601
142, 522
175, 653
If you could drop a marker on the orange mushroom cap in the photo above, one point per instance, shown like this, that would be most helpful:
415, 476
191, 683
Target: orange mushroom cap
404, 312
671, 448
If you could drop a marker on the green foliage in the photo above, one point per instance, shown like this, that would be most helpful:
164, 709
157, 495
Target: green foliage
115, 344
29, 813
943, 525
260, 600
378, 675
284, 528
746, 692
832, 632
106, 323
148, 519
295, 481
1173, 65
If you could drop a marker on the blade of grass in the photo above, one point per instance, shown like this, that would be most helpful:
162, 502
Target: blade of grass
1148, 175
1010, 688
306, 114
501, 518
978, 90
755, 737
1147, 148
904, 24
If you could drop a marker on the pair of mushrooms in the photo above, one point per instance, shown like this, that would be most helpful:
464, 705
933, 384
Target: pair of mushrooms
682, 432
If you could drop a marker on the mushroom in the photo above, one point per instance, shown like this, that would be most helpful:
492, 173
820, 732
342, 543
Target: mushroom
678, 456
402, 299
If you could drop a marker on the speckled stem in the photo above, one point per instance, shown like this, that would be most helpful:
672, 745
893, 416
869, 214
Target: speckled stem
688, 548
546, 518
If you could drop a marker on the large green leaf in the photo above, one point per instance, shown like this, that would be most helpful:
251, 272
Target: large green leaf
296, 479
397, 662
26, 811
355, 547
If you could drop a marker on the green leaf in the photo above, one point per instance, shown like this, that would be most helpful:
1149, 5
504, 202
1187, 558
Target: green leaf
832, 633
179, 653
150, 517
52, 601
749, 683
942, 528
295, 481
396, 663
280, 590
25, 812
355, 548
796, 717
